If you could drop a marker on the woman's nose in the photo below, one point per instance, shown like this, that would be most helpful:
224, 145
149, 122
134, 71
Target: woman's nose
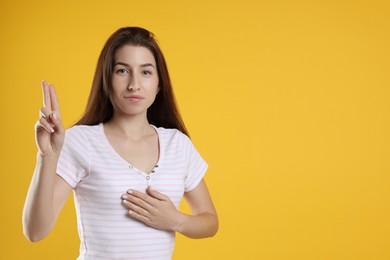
133, 84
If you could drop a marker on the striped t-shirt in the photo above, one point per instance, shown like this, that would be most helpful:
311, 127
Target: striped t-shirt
100, 176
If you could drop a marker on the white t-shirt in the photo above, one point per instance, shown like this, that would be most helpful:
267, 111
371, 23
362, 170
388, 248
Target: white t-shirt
100, 176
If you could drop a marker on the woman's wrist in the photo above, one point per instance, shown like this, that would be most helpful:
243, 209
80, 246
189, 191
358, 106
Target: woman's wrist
180, 222
48, 155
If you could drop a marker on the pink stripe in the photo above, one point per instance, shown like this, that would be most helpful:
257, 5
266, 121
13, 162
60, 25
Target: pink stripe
168, 244
148, 250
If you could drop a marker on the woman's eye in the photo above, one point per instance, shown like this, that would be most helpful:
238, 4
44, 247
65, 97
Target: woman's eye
121, 71
146, 72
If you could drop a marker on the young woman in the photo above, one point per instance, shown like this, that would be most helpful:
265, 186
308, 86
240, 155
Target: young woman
128, 160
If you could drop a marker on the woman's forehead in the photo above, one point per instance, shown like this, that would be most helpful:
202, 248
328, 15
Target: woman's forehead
134, 55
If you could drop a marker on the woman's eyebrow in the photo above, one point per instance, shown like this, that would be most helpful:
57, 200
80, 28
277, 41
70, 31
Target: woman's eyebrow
127, 65
148, 65
121, 63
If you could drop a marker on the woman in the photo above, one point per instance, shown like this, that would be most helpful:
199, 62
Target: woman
128, 160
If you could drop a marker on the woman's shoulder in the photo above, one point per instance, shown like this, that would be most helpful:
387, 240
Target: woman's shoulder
171, 133
172, 136
83, 130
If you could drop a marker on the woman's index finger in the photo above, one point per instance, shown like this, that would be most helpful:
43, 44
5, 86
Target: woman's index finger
46, 95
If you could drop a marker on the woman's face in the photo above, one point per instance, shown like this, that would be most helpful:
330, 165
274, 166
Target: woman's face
134, 80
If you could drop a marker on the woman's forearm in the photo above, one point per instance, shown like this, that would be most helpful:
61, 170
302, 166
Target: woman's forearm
198, 226
39, 214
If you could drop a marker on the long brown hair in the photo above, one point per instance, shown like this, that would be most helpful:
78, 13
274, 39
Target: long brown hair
163, 112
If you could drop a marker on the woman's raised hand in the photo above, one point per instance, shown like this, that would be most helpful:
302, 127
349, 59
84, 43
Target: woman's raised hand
49, 130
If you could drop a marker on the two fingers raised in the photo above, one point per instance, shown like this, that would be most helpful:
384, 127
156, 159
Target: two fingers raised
50, 112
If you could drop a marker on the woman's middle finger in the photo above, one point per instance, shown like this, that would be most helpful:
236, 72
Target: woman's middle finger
128, 198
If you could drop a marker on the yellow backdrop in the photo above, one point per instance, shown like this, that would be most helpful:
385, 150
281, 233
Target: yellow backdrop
288, 101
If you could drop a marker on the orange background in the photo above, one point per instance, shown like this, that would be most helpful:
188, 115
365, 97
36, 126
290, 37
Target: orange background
288, 101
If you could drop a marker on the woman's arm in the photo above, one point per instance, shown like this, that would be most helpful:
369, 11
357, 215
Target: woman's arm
45, 198
204, 220
48, 192
157, 210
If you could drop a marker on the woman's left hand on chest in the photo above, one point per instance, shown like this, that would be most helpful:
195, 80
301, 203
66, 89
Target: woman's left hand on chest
152, 208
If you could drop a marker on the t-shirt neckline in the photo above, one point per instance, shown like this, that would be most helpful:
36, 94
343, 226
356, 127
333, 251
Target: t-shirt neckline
129, 164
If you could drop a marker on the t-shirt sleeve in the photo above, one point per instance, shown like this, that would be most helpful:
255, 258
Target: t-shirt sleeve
196, 165
74, 161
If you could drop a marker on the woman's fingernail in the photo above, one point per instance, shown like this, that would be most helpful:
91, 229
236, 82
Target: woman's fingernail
55, 116
130, 191
125, 196
131, 212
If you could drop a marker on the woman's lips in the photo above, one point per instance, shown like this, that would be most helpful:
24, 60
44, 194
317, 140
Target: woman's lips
134, 98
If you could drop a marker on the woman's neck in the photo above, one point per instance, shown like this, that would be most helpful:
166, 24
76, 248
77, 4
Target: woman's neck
135, 126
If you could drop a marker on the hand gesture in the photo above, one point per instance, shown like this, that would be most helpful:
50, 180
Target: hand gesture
153, 208
49, 130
